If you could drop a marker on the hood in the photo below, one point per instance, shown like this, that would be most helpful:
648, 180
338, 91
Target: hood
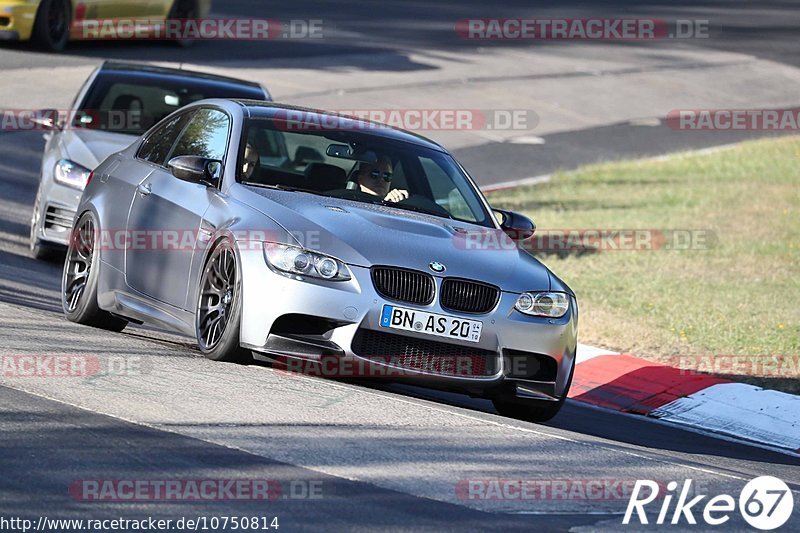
364, 235
91, 147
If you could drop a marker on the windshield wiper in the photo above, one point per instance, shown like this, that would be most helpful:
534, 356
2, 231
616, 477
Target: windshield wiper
280, 187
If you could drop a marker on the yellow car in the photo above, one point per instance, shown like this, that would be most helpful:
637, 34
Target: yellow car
51, 23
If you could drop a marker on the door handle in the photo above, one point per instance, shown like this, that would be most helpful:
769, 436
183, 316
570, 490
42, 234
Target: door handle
144, 189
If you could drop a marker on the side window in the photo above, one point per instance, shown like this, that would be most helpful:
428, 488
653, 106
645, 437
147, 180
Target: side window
156, 147
206, 135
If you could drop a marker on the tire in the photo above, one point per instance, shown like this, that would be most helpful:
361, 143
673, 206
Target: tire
39, 250
184, 9
52, 25
218, 314
79, 280
531, 410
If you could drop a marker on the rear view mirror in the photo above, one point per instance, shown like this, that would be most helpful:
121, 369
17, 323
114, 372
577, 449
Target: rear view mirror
342, 151
196, 169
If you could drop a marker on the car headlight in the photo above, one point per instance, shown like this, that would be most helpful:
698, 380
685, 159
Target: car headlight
548, 304
301, 262
71, 174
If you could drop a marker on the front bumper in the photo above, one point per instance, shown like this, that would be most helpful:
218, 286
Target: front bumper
17, 20
327, 322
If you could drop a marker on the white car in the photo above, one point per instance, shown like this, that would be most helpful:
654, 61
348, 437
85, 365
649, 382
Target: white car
117, 104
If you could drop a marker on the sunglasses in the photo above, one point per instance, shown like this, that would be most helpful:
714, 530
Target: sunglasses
387, 176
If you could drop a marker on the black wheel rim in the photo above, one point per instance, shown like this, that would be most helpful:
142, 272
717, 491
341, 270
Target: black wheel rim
57, 20
218, 291
79, 265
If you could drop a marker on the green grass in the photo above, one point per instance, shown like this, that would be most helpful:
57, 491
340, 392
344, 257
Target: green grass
740, 296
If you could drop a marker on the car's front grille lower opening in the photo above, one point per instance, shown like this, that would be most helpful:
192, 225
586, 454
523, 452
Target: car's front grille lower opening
424, 355
409, 286
57, 219
531, 366
468, 296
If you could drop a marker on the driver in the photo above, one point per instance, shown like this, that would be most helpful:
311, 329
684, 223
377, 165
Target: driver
250, 162
376, 179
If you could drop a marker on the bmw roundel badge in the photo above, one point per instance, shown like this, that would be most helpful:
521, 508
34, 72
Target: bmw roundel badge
437, 267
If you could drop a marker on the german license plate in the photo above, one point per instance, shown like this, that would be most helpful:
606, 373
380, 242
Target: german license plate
431, 323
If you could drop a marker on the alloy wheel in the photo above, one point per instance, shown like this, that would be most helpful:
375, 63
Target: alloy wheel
79, 264
218, 291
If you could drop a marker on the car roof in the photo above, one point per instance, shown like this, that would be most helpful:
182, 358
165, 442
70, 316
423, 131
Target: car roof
268, 110
156, 72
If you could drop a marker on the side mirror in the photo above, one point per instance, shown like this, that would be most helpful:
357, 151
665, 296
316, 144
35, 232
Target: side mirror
518, 227
196, 169
47, 119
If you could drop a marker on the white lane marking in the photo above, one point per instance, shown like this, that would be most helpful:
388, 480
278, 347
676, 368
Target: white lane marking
746, 411
649, 121
710, 413
586, 352
527, 139
692, 429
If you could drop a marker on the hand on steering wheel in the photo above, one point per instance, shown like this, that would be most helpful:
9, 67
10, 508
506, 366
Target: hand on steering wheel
396, 195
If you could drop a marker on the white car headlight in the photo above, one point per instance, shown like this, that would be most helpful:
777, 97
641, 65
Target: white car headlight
296, 260
547, 304
71, 174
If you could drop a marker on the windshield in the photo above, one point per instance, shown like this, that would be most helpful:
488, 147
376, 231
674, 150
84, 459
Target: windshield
356, 165
133, 102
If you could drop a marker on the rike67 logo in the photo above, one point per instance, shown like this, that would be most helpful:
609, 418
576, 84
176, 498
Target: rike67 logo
765, 503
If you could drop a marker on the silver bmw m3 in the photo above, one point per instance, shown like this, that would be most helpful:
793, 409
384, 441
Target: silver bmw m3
313, 239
